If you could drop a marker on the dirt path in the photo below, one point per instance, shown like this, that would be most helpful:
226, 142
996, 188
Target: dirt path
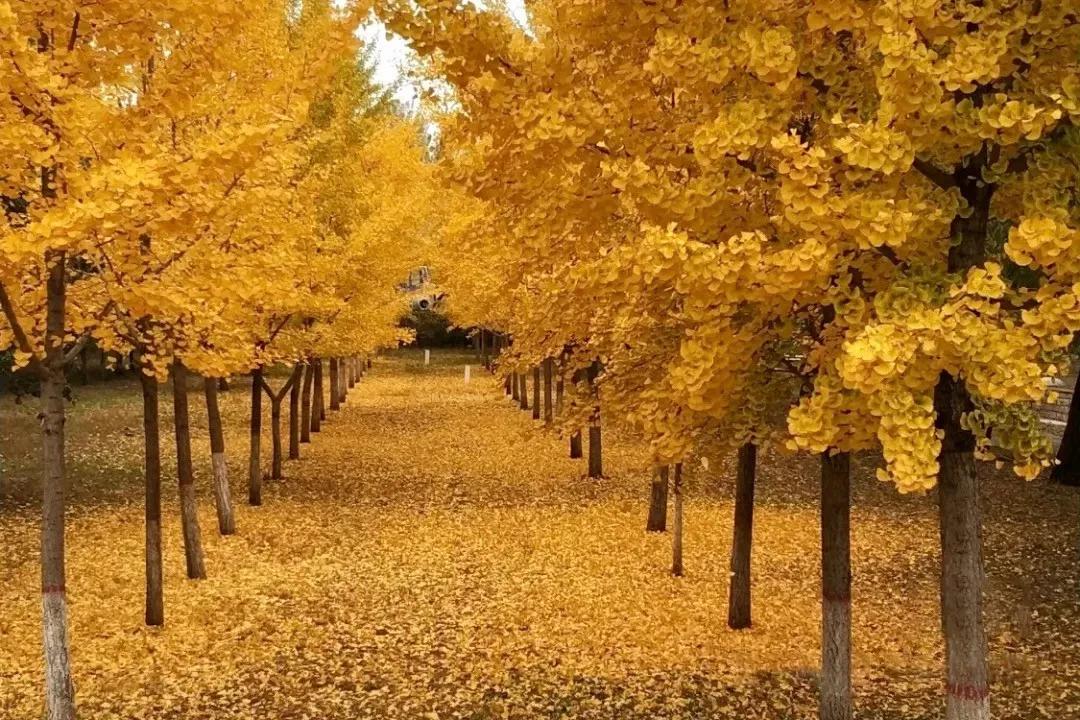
436, 555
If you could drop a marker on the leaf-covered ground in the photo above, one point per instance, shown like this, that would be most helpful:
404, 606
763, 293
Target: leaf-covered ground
435, 555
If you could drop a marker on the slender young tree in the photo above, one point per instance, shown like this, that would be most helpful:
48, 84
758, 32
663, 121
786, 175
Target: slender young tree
294, 414
154, 605
254, 454
549, 410
307, 417
189, 512
318, 398
222, 496
596, 451
276, 400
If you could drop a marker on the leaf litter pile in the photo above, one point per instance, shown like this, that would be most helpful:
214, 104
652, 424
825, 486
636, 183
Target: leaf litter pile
437, 555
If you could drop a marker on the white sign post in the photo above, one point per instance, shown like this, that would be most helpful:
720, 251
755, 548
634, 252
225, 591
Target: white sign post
427, 356
468, 370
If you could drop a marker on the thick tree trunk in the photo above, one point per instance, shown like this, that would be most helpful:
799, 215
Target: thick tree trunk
294, 413
739, 592
318, 407
677, 531
835, 697
154, 607
506, 385
1067, 471
189, 513
658, 501
351, 365
536, 408
222, 496
523, 395
967, 685
307, 418
575, 445
335, 378
549, 411
254, 456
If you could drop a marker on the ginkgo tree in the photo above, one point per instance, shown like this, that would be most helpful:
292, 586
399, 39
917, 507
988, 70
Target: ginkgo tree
832, 162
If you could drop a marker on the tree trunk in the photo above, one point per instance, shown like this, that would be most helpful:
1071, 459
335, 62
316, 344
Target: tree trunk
677, 536
835, 698
536, 393
222, 496
596, 454
523, 396
485, 349
189, 512
318, 407
739, 591
506, 385
59, 690
294, 414
275, 438
351, 365
549, 413
154, 607
343, 380
307, 418
658, 497
1067, 471
335, 377
254, 458
967, 686
560, 389
575, 445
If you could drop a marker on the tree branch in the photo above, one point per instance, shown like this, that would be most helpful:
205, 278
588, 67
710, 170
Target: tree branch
934, 174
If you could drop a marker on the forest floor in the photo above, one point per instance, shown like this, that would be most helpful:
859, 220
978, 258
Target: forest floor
436, 555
